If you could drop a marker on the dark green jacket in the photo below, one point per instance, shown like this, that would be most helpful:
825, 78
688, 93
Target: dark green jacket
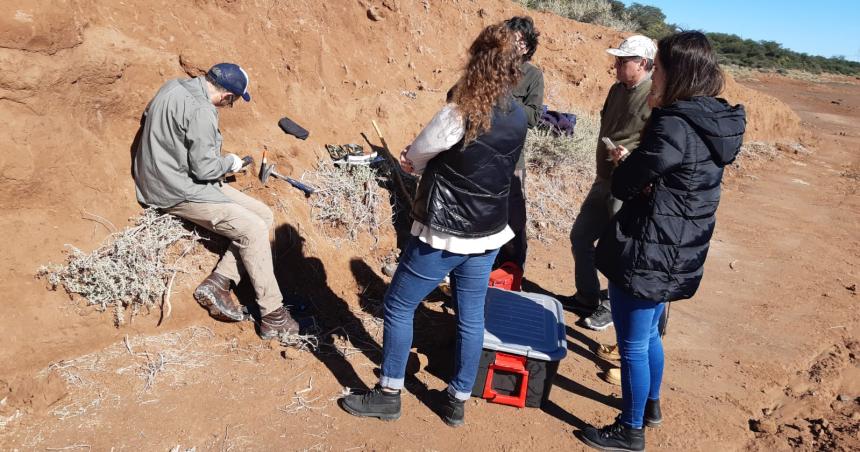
529, 94
622, 118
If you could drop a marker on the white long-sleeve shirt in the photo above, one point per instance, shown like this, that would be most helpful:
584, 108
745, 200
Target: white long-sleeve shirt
444, 131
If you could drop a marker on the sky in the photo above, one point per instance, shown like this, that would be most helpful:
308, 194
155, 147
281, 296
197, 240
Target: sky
817, 27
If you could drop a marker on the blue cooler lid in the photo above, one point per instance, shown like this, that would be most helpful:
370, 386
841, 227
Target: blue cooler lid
525, 324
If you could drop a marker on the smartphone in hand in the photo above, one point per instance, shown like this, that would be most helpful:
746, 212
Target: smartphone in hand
612, 147
609, 144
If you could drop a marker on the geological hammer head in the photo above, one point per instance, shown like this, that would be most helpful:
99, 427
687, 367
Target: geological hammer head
265, 169
265, 172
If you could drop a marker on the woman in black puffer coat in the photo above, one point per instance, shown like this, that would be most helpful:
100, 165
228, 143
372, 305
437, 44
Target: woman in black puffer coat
654, 250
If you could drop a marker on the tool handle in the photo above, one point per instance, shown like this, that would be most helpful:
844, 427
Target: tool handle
305, 188
395, 170
376, 127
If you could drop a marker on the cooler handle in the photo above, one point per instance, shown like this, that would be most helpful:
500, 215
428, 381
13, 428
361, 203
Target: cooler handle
512, 364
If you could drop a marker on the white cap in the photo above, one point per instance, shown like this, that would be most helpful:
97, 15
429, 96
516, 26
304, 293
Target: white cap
636, 45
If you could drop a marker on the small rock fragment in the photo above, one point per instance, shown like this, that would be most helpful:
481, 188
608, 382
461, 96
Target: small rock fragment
763, 425
374, 14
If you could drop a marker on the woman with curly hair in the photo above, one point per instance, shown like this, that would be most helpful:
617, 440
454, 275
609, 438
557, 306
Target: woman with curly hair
466, 156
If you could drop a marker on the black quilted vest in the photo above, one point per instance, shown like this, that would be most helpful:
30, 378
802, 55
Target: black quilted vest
464, 190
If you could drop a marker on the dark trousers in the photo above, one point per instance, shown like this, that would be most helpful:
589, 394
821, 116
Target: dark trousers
515, 250
594, 216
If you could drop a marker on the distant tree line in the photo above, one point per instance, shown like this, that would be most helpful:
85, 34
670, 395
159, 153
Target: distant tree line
732, 49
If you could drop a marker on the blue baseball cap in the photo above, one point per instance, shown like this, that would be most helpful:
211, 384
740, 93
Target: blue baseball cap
232, 78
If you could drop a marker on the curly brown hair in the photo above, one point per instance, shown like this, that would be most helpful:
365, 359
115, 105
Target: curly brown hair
492, 72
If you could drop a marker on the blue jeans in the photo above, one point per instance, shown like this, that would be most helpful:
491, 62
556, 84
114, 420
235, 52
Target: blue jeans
636, 328
420, 270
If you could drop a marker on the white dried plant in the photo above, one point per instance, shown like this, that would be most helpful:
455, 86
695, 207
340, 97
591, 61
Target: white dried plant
560, 170
132, 269
348, 199
752, 154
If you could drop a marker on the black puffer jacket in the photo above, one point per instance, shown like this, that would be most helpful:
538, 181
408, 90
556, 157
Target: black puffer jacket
656, 245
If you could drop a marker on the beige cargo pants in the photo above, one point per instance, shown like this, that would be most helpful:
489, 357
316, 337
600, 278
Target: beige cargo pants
246, 221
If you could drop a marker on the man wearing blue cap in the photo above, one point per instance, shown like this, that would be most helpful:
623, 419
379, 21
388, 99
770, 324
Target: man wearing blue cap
178, 167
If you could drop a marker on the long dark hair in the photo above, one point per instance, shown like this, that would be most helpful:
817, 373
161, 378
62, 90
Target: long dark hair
491, 74
690, 67
526, 26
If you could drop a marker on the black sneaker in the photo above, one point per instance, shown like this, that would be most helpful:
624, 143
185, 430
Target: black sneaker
614, 437
374, 403
454, 411
580, 304
601, 319
653, 416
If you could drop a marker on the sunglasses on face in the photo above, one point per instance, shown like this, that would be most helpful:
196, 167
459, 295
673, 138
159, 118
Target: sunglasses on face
622, 60
231, 98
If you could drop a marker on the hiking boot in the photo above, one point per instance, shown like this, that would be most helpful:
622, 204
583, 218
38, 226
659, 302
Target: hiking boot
374, 403
609, 352
612, 376
601, 319
276, 323
454, 411
581, 304
653, 416
614, 437
389, 269
214, 295
445, 286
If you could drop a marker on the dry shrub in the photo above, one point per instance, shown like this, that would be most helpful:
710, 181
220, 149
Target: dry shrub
752, 74
131, 269
560, 171
348, 199
758, 150
755, 153
589, 11
134, 366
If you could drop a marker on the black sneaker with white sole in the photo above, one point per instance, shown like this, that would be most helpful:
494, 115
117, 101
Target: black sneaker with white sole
601, 319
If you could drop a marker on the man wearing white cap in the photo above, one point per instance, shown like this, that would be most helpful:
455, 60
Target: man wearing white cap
622, 118
178, 167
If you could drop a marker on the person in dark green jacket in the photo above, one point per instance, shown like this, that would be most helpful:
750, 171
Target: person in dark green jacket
529, 94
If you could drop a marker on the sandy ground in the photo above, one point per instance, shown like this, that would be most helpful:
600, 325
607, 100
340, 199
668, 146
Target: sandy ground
764, 358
